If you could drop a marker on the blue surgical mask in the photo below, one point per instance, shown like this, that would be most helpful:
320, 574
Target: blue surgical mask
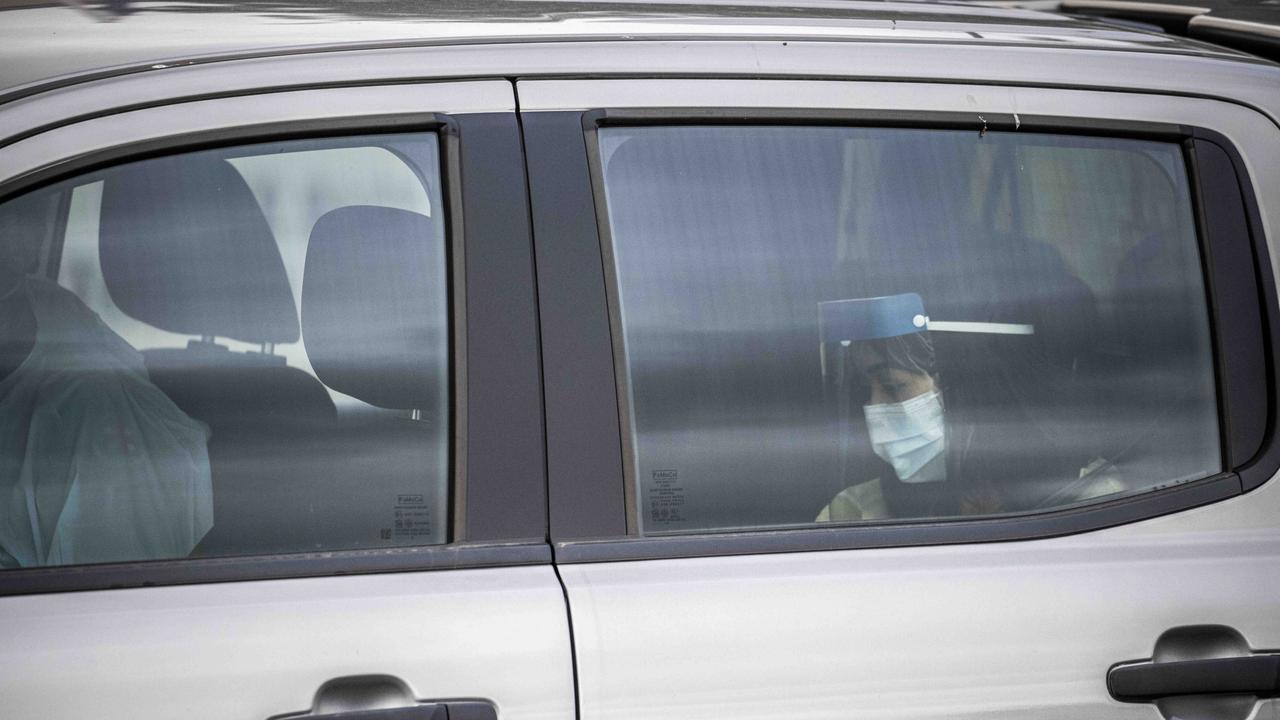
907, 435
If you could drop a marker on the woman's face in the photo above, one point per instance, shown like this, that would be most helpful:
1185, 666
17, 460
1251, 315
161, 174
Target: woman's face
891, 384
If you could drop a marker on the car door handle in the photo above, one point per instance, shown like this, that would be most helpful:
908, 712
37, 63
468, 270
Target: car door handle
1257, 675
461, 710
385, 697
415, 712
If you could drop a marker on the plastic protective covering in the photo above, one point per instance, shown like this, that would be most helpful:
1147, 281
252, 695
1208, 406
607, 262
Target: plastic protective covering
1041, 339
96, 464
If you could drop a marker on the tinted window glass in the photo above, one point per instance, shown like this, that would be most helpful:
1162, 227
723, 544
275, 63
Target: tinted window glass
829, 324
225, 352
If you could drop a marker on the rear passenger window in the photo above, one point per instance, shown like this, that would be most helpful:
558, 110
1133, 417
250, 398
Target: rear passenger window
841, 325
232, 351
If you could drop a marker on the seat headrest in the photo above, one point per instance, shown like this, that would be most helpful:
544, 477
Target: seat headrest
185, 247
373, 304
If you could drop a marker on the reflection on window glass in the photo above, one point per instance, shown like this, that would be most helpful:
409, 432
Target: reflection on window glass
856, 324
227, 352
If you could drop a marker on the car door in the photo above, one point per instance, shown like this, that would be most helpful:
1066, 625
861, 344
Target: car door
739, 282
282, 425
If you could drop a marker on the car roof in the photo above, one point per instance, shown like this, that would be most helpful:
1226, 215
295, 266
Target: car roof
46, 44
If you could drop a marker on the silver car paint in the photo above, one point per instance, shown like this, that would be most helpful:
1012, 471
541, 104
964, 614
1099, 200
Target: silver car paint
125, 128
47, 42
1254, 84
992, 631
258, 649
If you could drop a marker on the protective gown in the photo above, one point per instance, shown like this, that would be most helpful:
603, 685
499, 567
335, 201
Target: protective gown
96, 463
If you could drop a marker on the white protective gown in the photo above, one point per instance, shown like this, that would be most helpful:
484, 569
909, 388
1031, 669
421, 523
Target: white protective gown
96, 463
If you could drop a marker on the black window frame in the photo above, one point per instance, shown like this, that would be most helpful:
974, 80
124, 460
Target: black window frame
592, 500
498, 512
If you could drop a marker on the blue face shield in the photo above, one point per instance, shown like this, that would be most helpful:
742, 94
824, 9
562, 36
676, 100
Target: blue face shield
908, 435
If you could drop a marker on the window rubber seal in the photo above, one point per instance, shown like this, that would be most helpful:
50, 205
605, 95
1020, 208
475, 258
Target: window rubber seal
189, 571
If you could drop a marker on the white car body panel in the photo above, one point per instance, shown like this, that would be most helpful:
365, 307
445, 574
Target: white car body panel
259, 649
1004, 630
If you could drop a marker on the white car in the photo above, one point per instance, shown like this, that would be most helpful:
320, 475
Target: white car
617, 361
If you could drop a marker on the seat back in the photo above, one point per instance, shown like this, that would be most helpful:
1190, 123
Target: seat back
185, 247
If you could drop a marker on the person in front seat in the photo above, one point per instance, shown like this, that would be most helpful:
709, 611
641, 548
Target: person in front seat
96, 463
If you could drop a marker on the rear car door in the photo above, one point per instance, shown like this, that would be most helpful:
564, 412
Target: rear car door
909, 400
273, 423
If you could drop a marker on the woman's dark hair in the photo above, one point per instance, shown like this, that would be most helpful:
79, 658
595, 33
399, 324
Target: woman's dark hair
912, 352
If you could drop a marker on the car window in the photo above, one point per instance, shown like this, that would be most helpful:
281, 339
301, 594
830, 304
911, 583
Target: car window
838, 324
225, 352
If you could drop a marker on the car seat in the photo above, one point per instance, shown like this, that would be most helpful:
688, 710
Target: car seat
185, 247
